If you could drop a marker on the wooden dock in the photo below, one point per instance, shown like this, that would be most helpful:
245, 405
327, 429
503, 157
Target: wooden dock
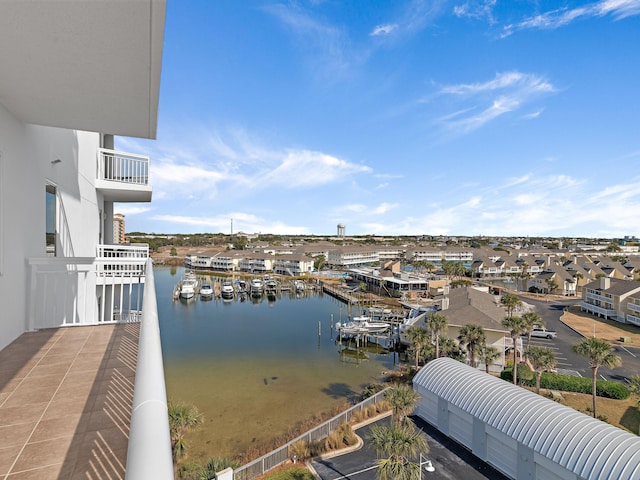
341, 294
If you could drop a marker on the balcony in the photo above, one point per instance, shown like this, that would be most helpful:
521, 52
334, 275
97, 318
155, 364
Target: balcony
66, 291
123, 177
595, 309
85, 402
633, 307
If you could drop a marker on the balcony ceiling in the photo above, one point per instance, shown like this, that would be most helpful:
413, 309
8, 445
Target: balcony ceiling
87, 64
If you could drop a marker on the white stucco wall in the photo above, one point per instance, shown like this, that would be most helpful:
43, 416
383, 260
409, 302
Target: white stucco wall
26, 155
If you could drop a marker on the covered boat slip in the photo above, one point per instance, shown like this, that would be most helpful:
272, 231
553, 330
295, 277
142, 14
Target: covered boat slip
522, 434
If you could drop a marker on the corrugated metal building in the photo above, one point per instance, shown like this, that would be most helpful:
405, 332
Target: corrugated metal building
522, 434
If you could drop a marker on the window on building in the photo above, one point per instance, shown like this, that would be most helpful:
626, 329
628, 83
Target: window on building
51, 223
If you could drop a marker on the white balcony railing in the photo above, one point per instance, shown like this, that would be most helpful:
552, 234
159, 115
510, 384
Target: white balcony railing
633, 319
606, 312
121, 260
149, 449
122, 167
67, 291
633, 307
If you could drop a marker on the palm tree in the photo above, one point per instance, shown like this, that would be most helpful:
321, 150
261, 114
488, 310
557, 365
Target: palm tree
436, 323
472, 336
182, 418
511, 302
450, 348
600, 354
530, 320
420, 340
402, 399
215, 465
395, 445
551, 284
516, 327
488, 354
541, 358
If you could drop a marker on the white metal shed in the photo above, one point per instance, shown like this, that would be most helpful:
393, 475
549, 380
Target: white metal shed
522, 434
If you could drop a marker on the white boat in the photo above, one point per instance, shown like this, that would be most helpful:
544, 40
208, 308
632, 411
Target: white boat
271, 284
206, 290
362, 325
188, 286
256, 287
227, 290
299, 285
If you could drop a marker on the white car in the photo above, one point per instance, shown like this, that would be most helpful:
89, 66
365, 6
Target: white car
542, 332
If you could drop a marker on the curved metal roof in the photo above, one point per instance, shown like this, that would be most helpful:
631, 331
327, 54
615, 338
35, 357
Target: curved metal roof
588, 447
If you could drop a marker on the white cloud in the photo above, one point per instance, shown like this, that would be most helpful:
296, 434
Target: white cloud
384, 29
505, 93
478, 10
241, 222
131, 209
554, 19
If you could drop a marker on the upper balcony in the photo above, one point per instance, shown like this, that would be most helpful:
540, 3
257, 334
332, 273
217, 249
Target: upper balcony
123, 177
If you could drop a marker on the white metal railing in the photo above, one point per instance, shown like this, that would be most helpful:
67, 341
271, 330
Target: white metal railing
633, 319
121, 260
122, 167
149, 450
633, 306
607, 312
70, 291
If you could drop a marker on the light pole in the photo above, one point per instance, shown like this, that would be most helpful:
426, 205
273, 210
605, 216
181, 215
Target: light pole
428, 466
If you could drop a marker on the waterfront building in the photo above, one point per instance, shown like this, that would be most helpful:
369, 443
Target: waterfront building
74, 75
353, 256
294, 265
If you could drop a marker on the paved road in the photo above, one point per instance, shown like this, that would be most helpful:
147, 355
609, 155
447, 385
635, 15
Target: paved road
569, 362
450, 460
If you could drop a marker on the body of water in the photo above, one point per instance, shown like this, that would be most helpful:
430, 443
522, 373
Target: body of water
255, 369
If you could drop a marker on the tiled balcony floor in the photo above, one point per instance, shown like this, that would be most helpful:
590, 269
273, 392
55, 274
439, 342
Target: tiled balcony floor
65, 403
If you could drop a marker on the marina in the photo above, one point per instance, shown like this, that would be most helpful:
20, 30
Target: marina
255, 367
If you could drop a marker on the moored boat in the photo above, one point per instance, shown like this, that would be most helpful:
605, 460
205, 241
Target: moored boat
257, 287
227, 290
188, 286
206, 291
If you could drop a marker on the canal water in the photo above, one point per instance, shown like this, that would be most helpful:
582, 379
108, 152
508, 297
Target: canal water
255, 369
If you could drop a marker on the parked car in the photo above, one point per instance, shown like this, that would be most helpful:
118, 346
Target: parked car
542, 332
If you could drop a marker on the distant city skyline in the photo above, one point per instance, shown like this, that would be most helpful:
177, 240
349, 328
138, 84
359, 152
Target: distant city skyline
404, 118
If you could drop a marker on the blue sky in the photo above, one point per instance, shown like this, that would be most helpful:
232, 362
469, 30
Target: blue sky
399, 117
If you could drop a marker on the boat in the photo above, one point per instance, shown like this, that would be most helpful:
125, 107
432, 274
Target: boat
299, 285
188, 286
271, 285
362, 325
241, 286
206, 291
256, 287
227, 290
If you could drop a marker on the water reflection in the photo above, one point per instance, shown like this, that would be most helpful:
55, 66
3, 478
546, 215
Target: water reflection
256, 366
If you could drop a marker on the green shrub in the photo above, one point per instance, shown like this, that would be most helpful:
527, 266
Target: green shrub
570, 383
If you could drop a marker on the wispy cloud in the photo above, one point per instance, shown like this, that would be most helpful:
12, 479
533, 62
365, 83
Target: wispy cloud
327, 47
507, 92
553, 19
384, 29
222, 223
479, 10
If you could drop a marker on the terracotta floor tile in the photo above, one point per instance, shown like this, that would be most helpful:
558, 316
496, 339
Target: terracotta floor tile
63, 426
58, 471
7, 457
27, 396
64, 406
45, 453
16, 434
21, 414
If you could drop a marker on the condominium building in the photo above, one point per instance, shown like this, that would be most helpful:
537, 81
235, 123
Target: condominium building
118, 228
74, 76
